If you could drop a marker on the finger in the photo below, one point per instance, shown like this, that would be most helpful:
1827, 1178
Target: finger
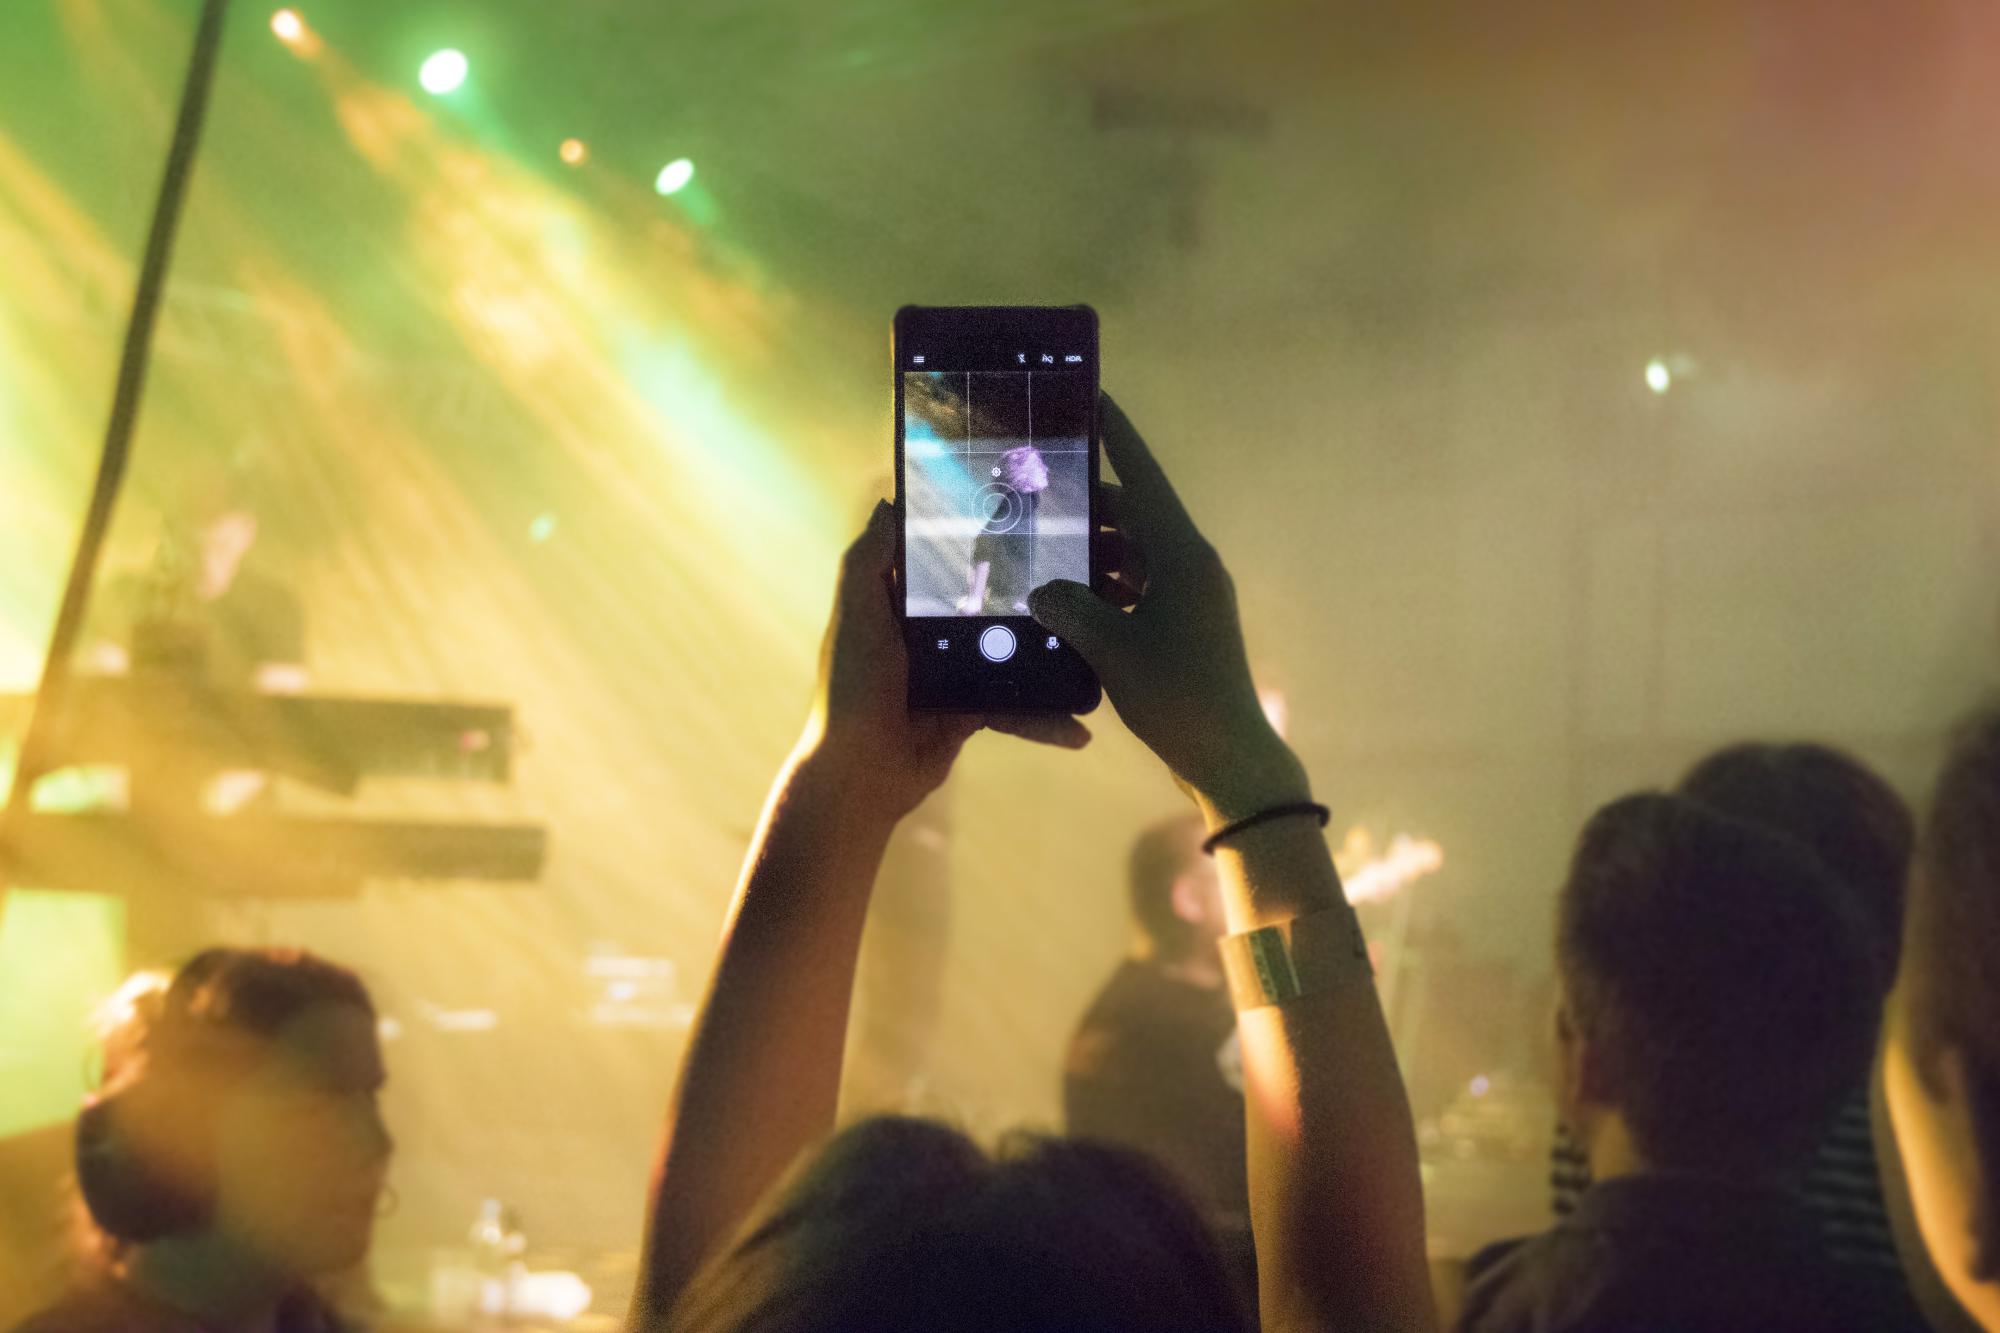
1094, 626
1152, 510
1110, 504
1110, 550
954, 729
1118, 557
1117, 592
867, 560
1058, 729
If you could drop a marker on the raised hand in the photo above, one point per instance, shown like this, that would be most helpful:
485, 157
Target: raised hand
861, 724
1173, 664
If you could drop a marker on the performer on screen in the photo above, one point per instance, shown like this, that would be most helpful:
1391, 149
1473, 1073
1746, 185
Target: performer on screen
1003, 554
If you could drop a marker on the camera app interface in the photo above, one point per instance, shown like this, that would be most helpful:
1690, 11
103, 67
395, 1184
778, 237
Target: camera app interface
997, 484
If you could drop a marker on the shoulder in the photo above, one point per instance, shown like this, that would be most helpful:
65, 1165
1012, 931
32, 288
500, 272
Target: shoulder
1502, 1286
1127, 988
305, 1311
1141, 1000
264, 592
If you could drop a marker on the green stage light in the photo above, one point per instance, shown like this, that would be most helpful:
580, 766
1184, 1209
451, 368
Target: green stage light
674, 176
444, 72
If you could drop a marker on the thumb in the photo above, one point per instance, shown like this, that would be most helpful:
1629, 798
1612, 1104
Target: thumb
869, 557
1093, 625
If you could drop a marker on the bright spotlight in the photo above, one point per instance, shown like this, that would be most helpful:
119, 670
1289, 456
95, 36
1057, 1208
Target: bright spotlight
1658, 378
444, 72
674, 176
289, 27
574, 152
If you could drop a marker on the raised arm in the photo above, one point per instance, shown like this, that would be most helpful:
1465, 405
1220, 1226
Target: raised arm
761, 1077
1335, 1198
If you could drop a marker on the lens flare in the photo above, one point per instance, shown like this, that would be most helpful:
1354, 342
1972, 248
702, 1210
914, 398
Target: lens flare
674, 176
444, 72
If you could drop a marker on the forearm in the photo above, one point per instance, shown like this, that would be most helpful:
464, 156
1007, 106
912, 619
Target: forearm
1335, 1194
761, 1078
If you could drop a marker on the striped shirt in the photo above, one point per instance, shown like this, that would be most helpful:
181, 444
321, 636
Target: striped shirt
1841, 1187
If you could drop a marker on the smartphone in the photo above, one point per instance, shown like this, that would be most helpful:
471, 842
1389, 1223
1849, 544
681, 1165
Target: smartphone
996, 494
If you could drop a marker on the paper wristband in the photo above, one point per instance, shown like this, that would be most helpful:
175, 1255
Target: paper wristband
1311, 953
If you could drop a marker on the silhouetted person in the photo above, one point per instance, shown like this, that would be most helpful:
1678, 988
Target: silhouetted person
205, 607
1941, 1054
46, 1240
1860, 829
236, 1156
1155, 1064
1003, 554
1718, 1001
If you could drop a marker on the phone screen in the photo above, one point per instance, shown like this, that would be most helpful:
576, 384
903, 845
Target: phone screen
996, 417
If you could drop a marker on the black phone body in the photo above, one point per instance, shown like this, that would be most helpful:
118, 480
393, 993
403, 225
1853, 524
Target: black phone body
996, 494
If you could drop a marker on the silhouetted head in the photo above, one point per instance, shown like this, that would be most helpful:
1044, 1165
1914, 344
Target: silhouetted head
1843, 812
1717, 995
246, 1106
903, 1224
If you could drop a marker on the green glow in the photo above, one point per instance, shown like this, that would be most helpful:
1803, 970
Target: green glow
543, 528
674, 176
60, 955
444, 72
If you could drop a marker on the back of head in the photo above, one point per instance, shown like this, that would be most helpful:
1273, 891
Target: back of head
1954, 982
905, 1224
1160, 856
1718, 975
145, 1144
126, 1018
1838, 807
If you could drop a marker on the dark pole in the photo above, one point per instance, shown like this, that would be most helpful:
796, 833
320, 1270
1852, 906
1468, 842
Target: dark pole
132, 366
